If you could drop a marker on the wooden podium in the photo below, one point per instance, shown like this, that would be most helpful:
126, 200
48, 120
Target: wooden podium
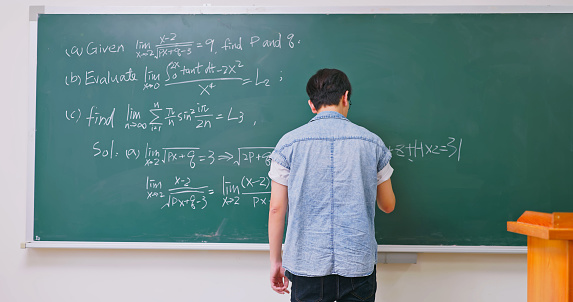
549, 255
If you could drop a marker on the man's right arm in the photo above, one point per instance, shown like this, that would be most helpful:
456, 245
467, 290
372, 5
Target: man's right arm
385, 197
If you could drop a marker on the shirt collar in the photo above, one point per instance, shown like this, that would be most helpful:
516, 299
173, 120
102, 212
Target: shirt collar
328, 114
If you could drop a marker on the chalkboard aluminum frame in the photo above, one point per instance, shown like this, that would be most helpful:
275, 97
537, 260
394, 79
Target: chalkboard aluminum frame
36, 10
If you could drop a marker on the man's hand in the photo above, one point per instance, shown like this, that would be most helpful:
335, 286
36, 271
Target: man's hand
279, 282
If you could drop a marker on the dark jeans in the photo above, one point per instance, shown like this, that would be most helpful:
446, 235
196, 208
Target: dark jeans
332, 288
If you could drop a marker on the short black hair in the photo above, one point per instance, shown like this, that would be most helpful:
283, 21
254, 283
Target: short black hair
327, 86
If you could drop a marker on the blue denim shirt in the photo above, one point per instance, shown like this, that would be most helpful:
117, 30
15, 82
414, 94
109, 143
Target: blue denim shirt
331, 196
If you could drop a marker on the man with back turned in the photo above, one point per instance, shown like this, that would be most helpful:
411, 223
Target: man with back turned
328, 175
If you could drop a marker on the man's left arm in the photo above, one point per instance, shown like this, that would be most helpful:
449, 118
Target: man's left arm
277, 213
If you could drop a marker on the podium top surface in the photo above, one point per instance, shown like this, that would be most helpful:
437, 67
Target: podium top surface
555, 226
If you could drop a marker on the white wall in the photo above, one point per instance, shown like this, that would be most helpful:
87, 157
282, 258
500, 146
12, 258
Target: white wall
146, 275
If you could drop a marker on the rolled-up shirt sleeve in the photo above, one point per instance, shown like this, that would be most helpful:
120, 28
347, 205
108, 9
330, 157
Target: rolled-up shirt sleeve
384, 174
279, 173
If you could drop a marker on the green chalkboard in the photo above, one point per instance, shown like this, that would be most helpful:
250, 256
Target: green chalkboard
157, 128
